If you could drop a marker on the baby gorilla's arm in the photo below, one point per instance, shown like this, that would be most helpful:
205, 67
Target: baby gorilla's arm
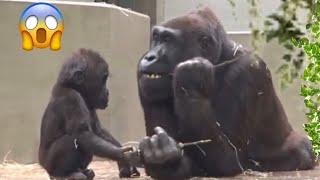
125, 169
98, 146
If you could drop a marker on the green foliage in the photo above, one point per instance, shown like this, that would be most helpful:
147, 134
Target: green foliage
310, 89
298, 39
282, 25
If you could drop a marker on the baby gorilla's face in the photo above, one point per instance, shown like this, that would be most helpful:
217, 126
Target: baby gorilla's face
95, 89
103, 98
99, 94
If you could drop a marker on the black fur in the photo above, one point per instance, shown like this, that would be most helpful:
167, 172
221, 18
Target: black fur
209, 91
70, 131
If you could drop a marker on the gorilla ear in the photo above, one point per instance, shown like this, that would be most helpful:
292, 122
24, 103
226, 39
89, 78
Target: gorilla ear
78, 77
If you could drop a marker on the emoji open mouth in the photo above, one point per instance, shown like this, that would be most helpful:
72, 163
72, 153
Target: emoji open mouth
41, 35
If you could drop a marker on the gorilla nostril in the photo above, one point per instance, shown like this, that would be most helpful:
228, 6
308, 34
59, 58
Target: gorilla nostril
150, 57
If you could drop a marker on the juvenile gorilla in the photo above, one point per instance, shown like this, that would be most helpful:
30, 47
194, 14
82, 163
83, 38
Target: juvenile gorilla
70, 131
195, 85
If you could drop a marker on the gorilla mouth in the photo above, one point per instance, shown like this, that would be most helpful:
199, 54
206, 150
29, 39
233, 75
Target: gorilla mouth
153, 75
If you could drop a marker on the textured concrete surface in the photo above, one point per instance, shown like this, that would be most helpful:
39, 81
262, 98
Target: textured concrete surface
105, 170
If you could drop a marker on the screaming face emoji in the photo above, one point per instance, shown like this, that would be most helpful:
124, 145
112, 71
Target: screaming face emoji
41, 25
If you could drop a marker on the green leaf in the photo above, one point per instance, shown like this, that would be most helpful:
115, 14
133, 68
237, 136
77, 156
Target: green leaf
308, 26
306, 74
310, 66
294, 41
304, 41
315, 49
268, 23
288, 46
317, 35
307, 47
304, 91
317, 70
282, 68
315, 29
287, 57
310, 116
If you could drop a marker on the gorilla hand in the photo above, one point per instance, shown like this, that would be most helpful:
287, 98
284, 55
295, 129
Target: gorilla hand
193, 78
159, 149
126, 168
162, 157
127, 171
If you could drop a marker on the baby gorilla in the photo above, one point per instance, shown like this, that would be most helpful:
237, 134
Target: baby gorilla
71, 132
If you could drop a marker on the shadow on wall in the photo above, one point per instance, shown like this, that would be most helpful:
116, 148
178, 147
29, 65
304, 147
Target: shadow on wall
26, 77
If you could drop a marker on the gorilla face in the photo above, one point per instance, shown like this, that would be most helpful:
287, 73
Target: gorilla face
98, 96
87, 72
173, 42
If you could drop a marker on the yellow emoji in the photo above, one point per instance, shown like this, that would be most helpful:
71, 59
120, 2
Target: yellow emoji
41, 25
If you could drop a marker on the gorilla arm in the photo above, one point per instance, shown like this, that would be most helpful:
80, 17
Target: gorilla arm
79, 126
161, 157
276, 145
193, 87
103, 133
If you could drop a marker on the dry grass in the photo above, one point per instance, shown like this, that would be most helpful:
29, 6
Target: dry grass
106, 170
15, 171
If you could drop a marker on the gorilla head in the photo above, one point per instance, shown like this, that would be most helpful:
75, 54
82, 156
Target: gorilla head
198, 34
87, 72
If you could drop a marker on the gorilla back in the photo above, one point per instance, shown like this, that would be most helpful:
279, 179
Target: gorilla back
187, 86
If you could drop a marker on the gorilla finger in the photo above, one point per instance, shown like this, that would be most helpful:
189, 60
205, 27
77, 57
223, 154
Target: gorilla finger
144, 144
146, 150
164, 139
157, 150
154, 142
159, 130
173, 153
162, 136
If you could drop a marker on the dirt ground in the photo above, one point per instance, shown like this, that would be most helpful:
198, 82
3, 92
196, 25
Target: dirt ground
108, 171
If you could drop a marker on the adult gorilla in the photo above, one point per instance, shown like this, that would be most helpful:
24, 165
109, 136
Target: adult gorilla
195, 85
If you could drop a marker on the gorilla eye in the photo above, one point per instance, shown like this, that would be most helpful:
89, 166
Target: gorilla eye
167, 38
155, 37
205, 41
104, 79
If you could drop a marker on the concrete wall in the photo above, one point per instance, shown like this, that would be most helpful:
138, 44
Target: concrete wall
26, 78
223, 10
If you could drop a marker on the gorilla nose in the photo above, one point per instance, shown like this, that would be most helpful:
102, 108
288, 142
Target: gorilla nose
150, 57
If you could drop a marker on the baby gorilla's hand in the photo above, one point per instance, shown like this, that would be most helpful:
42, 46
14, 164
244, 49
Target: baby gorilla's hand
128, 171
159, 149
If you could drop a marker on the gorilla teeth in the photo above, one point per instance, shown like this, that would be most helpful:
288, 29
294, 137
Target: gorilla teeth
152, 76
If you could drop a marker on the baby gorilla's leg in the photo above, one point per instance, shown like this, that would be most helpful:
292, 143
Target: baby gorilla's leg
65, 159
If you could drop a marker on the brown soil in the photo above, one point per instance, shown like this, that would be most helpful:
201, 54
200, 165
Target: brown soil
106, 170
